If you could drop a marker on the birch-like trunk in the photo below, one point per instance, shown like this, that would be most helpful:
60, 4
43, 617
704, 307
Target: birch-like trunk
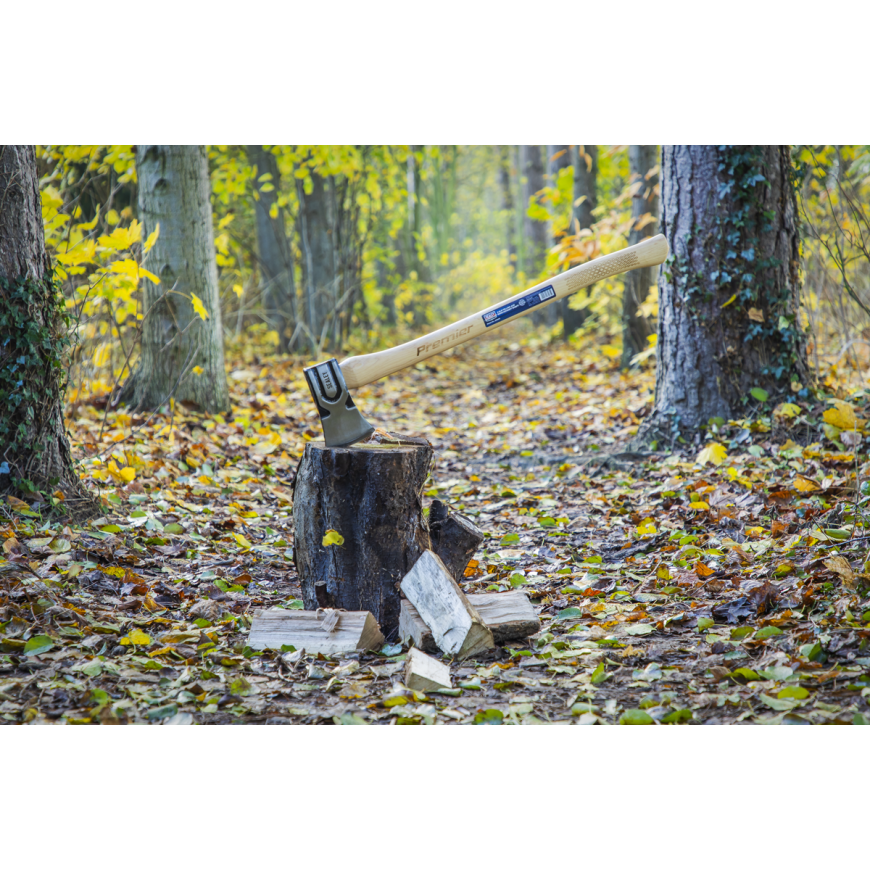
34, 446
182, 354
728, 294
644, 204
585, 160
274, 249
558, 158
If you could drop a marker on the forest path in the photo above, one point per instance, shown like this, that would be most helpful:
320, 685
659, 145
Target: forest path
671, 588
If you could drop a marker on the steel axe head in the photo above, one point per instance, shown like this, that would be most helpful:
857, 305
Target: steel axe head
342, 422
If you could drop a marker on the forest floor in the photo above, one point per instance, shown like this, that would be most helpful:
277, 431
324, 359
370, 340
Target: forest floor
721, 583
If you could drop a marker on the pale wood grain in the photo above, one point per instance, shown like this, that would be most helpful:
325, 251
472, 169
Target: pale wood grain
455, 625
361, 370
309, 630
509, 615
425, 674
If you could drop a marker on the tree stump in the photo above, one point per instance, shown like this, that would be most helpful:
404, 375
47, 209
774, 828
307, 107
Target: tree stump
371, 494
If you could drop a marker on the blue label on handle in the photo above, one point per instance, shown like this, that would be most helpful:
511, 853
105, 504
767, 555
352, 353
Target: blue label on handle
518, 306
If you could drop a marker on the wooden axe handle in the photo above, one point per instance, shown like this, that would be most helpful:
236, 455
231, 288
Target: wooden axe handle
361, 370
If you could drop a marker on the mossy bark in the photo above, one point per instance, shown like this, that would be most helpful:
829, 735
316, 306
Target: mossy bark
36, 460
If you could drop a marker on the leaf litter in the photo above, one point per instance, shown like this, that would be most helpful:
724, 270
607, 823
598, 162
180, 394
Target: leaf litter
725, 582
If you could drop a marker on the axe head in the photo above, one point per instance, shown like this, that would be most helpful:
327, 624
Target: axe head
342, 422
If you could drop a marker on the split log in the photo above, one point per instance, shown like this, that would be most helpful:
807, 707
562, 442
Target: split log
508, 615
371, 494
425, 674
315, 632
455, 625
454, 537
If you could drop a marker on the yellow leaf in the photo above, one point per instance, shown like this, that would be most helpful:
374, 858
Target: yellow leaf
138, 637
332, 537
91, 224
102, 354
702, 570
611, 351
198, 307
714, 454
128, 474
803, 484
225, 221
646, 527
842, 415
238, 290
242, 541
197, 370
786, 409
133, 270
726, 304
149, 242
699, 506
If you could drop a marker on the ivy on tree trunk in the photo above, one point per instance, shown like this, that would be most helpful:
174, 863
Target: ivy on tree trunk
728, 294
36, 462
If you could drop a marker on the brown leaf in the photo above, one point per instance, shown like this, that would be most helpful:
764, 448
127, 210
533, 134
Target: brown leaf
840, 566
763, 598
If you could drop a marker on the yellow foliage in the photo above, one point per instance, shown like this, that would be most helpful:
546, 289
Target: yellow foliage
842, 415
713, 454
332, 537
198, 307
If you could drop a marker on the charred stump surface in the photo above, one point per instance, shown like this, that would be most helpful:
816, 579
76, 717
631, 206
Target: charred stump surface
371, 494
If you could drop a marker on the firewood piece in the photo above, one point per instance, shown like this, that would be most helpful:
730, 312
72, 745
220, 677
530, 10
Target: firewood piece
371, 494
425, 674
455, 538
455, 625
308, 630
509, 615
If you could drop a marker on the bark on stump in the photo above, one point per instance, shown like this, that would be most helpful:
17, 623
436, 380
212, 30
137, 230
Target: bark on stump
371, 494
454, 538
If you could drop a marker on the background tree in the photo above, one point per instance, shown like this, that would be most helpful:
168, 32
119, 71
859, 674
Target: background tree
534, 231
182, 338
33, 339
643, 184
558, 158
274, 249
584, 159
505, 166
728, 294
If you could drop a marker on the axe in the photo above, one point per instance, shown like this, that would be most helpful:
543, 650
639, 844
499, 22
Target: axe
330, 381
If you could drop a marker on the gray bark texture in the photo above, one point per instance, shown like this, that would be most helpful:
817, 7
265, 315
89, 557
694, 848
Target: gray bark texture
34, 443
174, 192
534, 232
372, 496
644, 201
319, 268
585, 161
507, 192
729, 214
275, 252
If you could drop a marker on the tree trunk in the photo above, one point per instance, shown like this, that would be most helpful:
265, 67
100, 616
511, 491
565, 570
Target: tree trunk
507, 193
318, 259
585, 160
275, 253
372, 496
534, 231
644, 202
558, 158
35, 450
728, 294
182, 354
